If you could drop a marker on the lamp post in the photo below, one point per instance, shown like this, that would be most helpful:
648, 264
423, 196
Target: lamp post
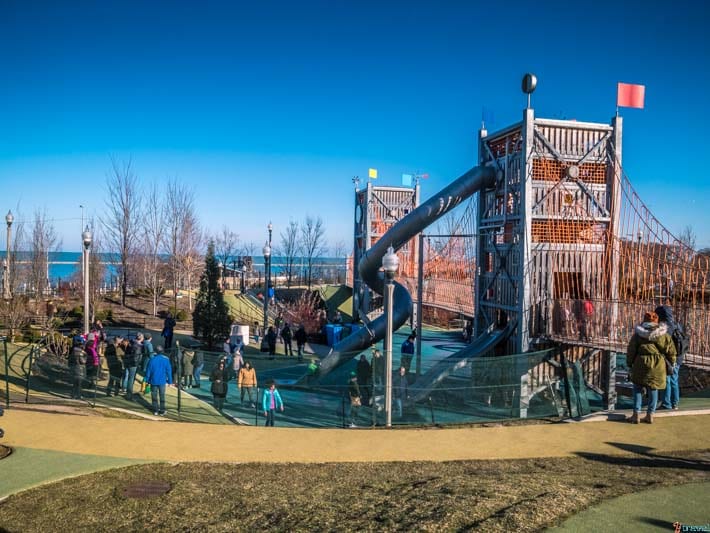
270, 228
86, 238
267, 278
390, 264
4, 278
7, 293
220, 266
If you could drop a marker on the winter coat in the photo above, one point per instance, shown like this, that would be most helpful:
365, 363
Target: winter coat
133, 354
266, 402
219, 382
645, 355
400, 387
77, 362
378, 366
353, 390
363, 371
159, 371
92, 356
115, 367
198, 359
187, 364
300, 336
148, 348
247, 377
237, 362
286, 333
408, 347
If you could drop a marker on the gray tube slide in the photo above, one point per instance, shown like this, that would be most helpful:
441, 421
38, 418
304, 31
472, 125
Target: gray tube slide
474, 180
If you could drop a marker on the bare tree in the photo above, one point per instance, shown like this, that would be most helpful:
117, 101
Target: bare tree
226, 247
340, 252
291, 246
122, 218
97, 269
153, 232
688, 237
183, 237
44, 241
312, 243
193, 265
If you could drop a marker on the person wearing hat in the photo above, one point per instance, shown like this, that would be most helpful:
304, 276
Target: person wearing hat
355, 399
649, 349
77, 365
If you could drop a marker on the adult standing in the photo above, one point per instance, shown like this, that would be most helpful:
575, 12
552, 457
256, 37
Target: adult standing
237, 364
407, 352
646, 356
148, 352
301, 338
115, 366
247, 383
400, 388
271, 340
671, 397
271, 401
218, 377
158, 375
186, 368
92, 359
130, 363
77, 366
378, 369
286, 335
168, 330
364, 373
198, 363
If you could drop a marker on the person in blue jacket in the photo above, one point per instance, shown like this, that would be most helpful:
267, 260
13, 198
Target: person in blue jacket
158, 376
271, 401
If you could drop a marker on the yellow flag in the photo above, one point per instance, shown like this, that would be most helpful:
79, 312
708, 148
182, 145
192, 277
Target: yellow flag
372, 173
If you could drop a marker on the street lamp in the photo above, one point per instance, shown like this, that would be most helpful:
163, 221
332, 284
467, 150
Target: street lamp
86, 238
6, 286
4, 277
270, 227
267, 279
390, 264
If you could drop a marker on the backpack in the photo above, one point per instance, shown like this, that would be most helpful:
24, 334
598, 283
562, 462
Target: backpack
588, 307
681, 341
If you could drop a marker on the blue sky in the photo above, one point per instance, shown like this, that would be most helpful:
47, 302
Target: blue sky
268, 109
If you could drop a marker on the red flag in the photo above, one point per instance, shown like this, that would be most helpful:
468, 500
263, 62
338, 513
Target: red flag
629, 95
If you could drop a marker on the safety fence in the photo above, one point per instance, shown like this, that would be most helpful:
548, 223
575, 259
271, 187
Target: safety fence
541, 385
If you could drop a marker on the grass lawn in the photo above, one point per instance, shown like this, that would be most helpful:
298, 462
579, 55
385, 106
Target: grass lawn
520, 495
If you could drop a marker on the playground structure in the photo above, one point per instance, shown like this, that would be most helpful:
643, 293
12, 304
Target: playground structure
554, 222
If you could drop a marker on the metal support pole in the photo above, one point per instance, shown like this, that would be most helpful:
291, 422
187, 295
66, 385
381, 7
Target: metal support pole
29, 375
7, 374
267, 268
179, 374
7, 293
389, 297
420, 296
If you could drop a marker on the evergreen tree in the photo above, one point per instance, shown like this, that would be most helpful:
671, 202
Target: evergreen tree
211, 322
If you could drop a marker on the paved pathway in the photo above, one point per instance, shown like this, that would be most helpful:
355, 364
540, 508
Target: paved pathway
184, 441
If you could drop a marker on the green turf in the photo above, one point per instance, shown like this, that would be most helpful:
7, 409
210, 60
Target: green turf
27, 467
651, 510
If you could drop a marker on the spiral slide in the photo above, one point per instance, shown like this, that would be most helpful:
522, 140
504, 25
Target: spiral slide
476, 179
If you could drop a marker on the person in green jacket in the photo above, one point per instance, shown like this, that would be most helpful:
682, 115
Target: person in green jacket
649, 349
